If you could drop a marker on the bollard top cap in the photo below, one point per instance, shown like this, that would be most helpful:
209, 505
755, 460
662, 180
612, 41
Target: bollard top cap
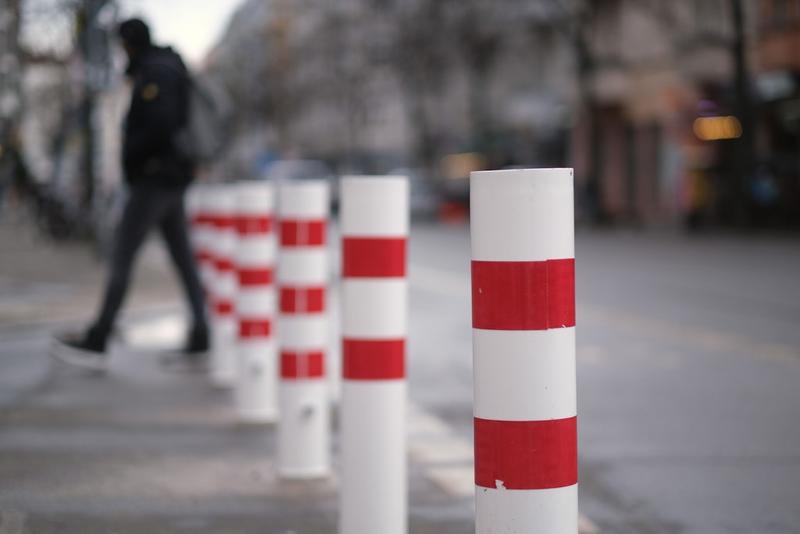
553, 173
522, 214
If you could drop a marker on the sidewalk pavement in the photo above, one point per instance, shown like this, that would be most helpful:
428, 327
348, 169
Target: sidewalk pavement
139, 450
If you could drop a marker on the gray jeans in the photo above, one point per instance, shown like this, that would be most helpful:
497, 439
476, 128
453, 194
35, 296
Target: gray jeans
150, 207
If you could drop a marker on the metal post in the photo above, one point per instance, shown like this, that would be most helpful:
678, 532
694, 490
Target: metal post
304, 429
257, 366
523, 318
374, 223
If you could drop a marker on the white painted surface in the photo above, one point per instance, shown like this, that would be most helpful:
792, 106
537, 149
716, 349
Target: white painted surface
374, 308
255, 198
303, 266
224, 335
304, 431
522, 215
374, 206
307, 199
256, 250
257, 302
308, 331
501, 511
257, 380
225, 285
373, 482
524, 375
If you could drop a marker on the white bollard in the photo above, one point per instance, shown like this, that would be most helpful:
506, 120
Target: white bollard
256, 390
223, 294
202, 232
523, 317
374, 226
304, 427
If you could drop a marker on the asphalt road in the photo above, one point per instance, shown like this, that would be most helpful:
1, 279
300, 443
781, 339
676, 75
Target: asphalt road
688, 385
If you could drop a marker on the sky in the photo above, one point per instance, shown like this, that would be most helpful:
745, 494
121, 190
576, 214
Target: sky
184, 24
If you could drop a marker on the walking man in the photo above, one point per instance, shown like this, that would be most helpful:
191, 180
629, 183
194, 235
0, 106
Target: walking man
157, 174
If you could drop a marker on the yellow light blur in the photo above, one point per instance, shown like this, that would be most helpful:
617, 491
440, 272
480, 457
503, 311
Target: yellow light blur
457, 166
717, 128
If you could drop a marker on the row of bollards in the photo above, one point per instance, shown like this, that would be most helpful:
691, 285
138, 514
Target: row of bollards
262, 253
263, 256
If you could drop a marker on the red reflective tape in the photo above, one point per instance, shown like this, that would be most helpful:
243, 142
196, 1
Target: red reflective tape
224, 221
256, 277
523, 295
369, 359
223, 264
302, 299
202, 255
249, 328
309, 364
373, 257
298, 233
525, 455
223, 307
253, 224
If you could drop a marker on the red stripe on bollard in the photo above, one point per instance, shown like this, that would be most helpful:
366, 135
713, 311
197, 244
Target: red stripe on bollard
526, 455
223, 221
223, 264
299, 233
203, 255
302, 299
249, 328
371, 359
256, 277
368, 257
523, 295
296, 365
253, 224
223, 307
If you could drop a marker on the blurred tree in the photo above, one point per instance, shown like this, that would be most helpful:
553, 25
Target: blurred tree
93, 47
574, 20
340, 66
10, 85
478, 28
64, 45
415, 45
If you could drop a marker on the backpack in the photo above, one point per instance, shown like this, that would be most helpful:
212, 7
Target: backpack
207, 127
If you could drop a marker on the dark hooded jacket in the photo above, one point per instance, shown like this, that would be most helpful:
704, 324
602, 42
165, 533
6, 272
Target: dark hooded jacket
159, 109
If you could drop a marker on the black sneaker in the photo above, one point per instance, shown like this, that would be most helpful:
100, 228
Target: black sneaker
198, 342
86, 350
